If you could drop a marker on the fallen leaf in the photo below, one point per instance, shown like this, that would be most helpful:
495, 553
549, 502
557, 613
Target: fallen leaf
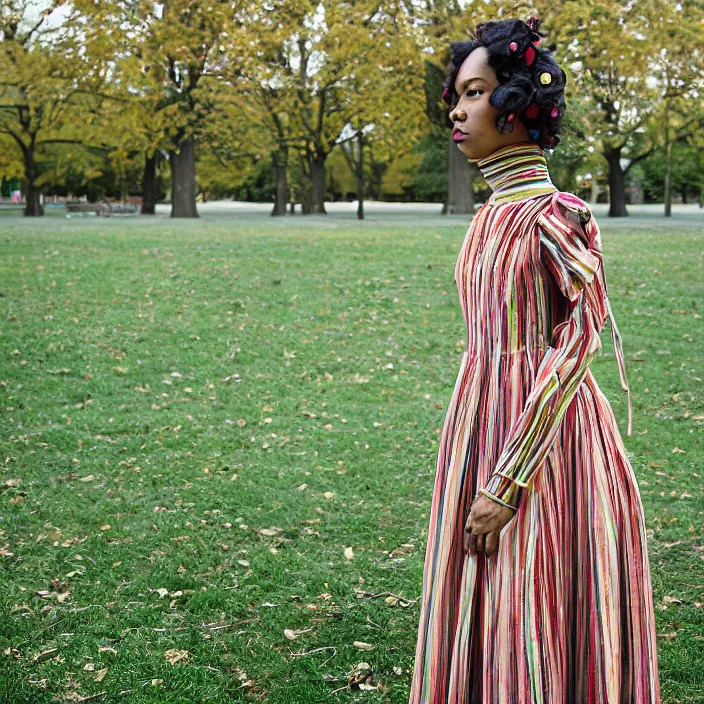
43, 654
362, 646
269, 532
173, 656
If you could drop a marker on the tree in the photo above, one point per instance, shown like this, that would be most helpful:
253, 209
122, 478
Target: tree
167, 58
445, 21
679, 68
41, 81
310, 61
262, 78
687, 176
384, 84
235, 144
614, 53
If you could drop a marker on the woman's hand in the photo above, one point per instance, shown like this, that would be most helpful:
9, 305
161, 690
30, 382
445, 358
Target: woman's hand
485, 521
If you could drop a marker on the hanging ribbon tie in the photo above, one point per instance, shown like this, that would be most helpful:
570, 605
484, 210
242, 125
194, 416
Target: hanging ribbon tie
621, 361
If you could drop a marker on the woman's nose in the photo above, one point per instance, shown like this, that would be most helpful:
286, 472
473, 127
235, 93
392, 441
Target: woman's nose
458, 115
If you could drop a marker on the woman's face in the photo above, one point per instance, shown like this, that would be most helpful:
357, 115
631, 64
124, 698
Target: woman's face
473, 115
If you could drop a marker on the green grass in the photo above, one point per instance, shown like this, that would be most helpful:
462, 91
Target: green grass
167, 388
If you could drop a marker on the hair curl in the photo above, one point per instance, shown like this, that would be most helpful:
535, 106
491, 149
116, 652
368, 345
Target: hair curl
520, 91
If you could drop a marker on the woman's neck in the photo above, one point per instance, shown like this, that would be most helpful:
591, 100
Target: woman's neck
515, 172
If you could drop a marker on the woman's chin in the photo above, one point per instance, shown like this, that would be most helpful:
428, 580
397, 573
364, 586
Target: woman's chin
466, 148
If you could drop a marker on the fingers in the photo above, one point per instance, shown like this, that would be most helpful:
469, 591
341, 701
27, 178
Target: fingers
472, 542
475, 543
492, 542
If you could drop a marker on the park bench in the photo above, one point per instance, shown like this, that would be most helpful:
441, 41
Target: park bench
103, 209
99, 209
125, 209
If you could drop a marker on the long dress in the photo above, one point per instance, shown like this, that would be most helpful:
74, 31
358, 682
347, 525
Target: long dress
563, 612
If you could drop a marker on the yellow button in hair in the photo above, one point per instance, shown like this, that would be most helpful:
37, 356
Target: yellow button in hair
545, 78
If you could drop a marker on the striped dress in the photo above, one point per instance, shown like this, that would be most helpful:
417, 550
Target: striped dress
563, 612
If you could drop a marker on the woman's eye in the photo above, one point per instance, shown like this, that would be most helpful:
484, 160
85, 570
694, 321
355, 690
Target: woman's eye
472, 91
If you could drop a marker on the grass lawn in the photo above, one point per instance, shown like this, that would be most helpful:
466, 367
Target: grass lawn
218, 446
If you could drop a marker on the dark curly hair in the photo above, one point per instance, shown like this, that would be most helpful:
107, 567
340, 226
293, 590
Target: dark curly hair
520, 62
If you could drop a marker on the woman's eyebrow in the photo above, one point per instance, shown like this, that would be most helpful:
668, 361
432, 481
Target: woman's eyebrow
468, 81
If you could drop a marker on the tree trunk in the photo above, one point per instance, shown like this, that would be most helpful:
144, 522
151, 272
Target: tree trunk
149, 184
668, 172
377, 179
331, 186
183, 180
617, 184
360, 179
460, 196
304, 188
280, 159
317, 167
594, 198
33, 206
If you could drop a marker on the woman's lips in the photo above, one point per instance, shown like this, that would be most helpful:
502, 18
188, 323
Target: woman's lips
458, 135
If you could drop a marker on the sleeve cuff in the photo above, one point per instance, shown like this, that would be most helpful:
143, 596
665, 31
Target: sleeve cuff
503, 490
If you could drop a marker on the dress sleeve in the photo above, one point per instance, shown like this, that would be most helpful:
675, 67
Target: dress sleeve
570, 250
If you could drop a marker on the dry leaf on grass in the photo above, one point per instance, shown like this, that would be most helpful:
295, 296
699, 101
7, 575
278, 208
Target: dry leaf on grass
290, 634
173, 656
362, 646
269, 532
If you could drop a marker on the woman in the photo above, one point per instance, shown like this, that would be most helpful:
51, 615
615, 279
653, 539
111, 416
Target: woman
541, 592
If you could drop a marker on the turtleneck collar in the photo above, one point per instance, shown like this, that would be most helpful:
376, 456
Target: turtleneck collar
516, 172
